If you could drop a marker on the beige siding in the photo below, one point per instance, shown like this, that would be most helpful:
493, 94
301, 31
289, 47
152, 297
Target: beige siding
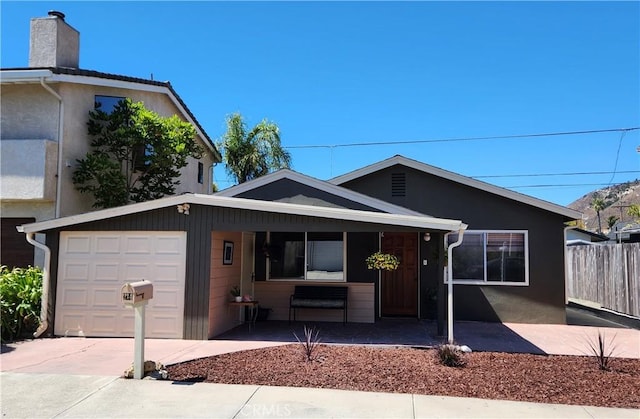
222, 317
275, 295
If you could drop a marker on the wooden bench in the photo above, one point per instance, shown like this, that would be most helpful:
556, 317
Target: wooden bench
318, 296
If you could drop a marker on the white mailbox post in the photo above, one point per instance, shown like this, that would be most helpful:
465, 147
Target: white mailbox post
137, 295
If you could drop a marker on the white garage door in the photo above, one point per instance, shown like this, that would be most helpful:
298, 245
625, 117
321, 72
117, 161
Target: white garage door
92, 268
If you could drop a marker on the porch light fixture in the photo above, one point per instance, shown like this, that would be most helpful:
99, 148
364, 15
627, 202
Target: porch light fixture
183, 209
426, 237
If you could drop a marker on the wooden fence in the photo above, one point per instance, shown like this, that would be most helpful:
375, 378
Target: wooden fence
607, 274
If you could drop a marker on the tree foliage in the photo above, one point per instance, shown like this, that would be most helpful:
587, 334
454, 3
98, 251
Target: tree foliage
634, 212
598, 205
136, 155
249, 155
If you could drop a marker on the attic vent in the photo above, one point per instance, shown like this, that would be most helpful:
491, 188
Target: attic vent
398, 184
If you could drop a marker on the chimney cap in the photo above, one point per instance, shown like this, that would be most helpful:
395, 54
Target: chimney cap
55, 13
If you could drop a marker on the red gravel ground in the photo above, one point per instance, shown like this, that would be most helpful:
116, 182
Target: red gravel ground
490, 375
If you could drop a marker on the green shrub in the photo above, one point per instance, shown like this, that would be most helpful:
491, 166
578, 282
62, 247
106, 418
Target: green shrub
20, 297
450, 355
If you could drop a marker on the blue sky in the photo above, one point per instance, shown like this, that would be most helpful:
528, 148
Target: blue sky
335, 73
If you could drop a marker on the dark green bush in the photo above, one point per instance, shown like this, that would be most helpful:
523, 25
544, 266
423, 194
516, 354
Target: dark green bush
20, 297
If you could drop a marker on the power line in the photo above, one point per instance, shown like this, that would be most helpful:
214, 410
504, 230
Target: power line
459, 139
568, 185
615, 166
554, 174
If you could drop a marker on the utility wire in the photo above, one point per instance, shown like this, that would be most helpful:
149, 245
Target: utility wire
449, 140
615, 167
554, 174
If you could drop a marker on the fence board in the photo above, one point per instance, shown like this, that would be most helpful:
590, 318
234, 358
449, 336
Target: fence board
607, 274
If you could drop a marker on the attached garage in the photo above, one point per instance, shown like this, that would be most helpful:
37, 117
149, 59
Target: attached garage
93, 266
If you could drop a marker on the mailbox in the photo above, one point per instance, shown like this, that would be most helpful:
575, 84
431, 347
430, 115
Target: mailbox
137, 292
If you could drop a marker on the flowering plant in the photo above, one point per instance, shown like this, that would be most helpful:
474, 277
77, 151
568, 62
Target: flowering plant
385, 261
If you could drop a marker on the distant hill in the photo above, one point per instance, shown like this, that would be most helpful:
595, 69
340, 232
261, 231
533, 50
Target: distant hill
615, 196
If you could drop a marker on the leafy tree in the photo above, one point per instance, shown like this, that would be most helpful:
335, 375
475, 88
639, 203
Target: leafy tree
634, 212
249, 155
611, 221
136, 155
598, 205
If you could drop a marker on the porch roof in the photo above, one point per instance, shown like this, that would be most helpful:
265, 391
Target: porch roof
368, 217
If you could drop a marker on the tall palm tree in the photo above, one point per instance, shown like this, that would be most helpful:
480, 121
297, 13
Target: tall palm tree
598, 205
249, 155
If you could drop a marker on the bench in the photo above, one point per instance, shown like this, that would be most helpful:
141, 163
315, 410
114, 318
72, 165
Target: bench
317, 296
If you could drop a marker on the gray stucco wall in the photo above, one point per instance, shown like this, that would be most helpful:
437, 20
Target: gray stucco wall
543, 301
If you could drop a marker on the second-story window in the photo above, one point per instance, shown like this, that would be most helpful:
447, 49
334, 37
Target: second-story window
106, 103
200, 173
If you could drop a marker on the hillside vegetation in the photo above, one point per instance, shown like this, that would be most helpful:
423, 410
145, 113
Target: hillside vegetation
617, 199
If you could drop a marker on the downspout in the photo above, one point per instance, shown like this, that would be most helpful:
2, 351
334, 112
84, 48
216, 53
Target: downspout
60, 125
566, 263
44, 324
450, 281
211, 179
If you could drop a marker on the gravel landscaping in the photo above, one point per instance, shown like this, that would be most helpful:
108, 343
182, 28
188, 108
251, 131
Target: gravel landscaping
490, 375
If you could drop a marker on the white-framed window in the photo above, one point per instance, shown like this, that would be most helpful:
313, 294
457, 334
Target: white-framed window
319, 257
491, 257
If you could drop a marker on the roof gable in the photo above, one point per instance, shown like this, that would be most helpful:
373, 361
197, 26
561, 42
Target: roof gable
320, 185
455, 177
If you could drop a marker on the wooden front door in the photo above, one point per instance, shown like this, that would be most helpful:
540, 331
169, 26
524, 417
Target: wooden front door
399, 288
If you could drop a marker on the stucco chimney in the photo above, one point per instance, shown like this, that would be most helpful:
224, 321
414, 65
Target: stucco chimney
53, 42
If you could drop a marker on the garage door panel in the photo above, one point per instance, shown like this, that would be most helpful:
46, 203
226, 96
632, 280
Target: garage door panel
108, 272
107, 245
93, 266
166, 299
106, 298
70, 323
168, 246
79, 245
76, 271
104, 323
137, 272
166, 273
139, 245
75, 297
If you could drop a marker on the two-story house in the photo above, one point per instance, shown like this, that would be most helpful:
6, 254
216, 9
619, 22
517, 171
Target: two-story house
45, 109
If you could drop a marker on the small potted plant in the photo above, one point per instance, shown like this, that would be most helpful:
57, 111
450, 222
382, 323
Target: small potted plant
235, 293
382, 261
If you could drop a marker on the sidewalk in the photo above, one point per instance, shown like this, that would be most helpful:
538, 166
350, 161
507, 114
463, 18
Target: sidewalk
52, 395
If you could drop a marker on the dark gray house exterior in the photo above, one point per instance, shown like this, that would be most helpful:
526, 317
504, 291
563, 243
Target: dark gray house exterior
535, 294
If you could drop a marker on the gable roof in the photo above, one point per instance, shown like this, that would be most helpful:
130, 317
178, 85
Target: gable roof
370, 217
455, 177
321, 185
96, 78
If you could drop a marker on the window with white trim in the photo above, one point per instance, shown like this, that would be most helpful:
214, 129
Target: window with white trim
493, 257
306, 256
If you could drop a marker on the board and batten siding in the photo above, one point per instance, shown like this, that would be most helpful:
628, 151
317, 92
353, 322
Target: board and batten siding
275, 296
222, 317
